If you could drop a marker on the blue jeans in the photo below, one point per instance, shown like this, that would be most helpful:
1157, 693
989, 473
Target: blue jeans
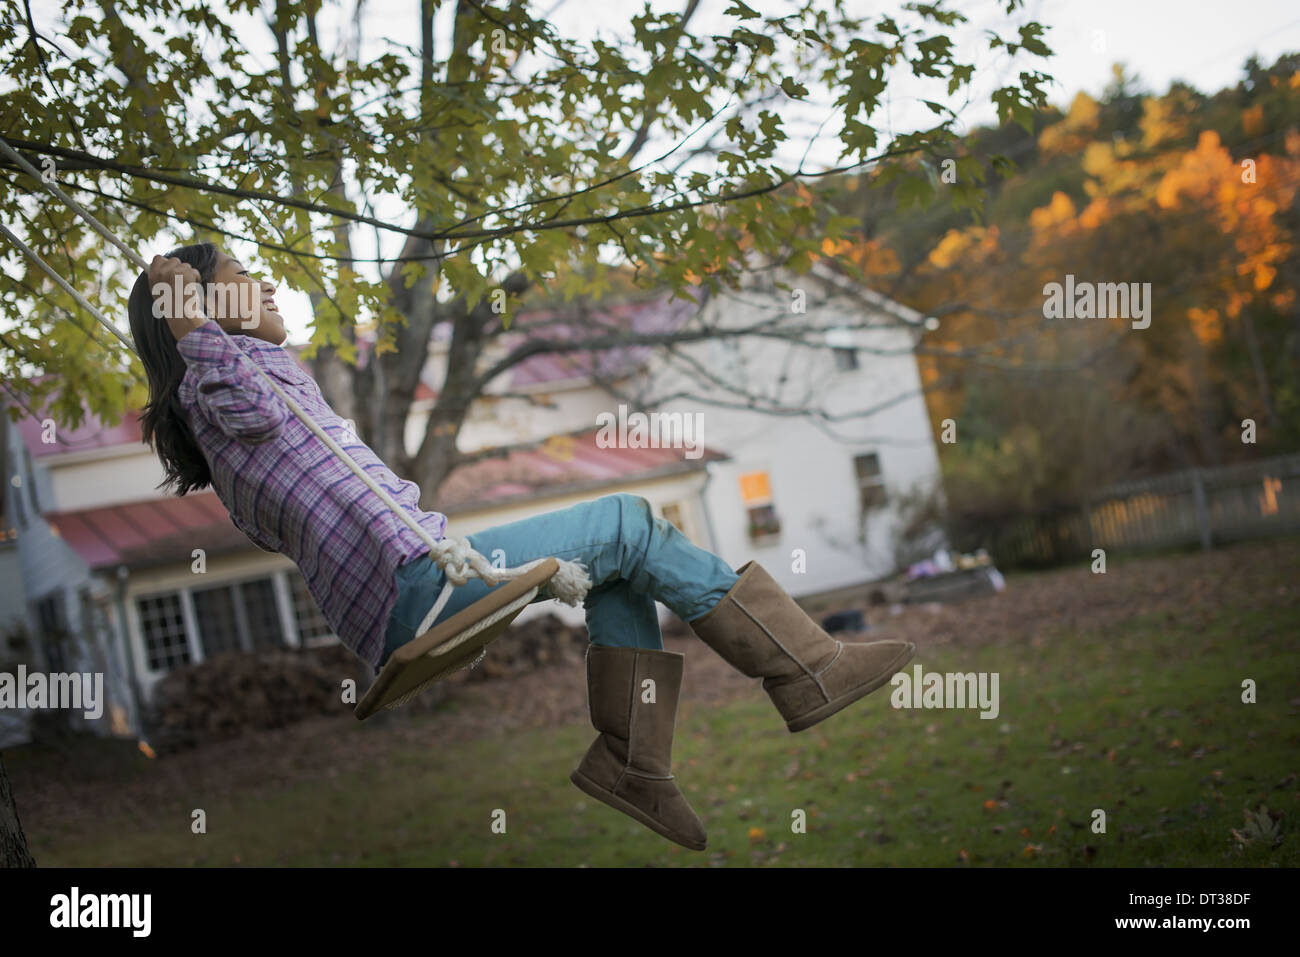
634, 559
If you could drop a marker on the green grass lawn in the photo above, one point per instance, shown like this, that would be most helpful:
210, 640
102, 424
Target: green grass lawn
1143, 722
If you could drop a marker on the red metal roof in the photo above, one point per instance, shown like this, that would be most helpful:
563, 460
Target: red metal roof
165, 530
149, 532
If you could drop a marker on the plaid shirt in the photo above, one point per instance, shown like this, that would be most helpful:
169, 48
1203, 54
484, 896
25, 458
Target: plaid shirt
289, 493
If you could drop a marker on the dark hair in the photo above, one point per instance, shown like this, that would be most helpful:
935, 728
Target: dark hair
164, 423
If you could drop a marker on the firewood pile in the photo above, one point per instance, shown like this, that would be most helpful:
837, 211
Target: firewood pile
236, 692
545, 640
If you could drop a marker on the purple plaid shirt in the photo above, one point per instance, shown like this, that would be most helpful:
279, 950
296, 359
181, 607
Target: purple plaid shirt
289, 493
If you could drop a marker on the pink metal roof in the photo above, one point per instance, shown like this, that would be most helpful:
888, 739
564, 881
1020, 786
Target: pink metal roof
149, 532
658, 315
558, 468
93, 433
167, 530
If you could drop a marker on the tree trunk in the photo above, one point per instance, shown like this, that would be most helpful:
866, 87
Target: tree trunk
1257, 364
13, 843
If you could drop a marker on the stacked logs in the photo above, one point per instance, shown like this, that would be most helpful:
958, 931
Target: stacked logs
526, 646
236, 692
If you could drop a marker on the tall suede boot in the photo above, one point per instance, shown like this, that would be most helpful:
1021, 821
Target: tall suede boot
628, 765
759, 630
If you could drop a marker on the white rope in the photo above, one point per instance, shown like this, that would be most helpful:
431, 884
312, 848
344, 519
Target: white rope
458, 560
62, 284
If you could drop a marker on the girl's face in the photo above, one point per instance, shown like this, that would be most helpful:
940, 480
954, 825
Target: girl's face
243, 305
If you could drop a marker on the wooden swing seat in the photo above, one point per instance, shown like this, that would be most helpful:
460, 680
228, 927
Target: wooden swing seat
446, 648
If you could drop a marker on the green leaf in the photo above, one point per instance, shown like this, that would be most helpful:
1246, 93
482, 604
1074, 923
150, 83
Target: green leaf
738, 9
793, 89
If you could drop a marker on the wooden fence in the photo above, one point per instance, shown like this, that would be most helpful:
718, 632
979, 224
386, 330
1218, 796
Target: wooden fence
1198, 506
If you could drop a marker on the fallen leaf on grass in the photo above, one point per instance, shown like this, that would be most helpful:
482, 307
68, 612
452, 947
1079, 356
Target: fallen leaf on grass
1262, 827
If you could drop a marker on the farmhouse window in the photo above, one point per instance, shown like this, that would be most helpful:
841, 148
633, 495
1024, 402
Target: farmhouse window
307, 614
871, 484
165, 642
756, 494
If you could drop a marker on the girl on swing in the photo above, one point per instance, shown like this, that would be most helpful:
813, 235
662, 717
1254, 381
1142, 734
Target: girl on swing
213, 421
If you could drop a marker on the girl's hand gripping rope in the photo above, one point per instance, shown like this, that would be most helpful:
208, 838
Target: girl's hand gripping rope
178, 295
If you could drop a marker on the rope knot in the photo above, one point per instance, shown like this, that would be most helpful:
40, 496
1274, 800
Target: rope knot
460, 562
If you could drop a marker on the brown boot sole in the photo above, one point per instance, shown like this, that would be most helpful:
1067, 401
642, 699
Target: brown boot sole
817, 715
631, 810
